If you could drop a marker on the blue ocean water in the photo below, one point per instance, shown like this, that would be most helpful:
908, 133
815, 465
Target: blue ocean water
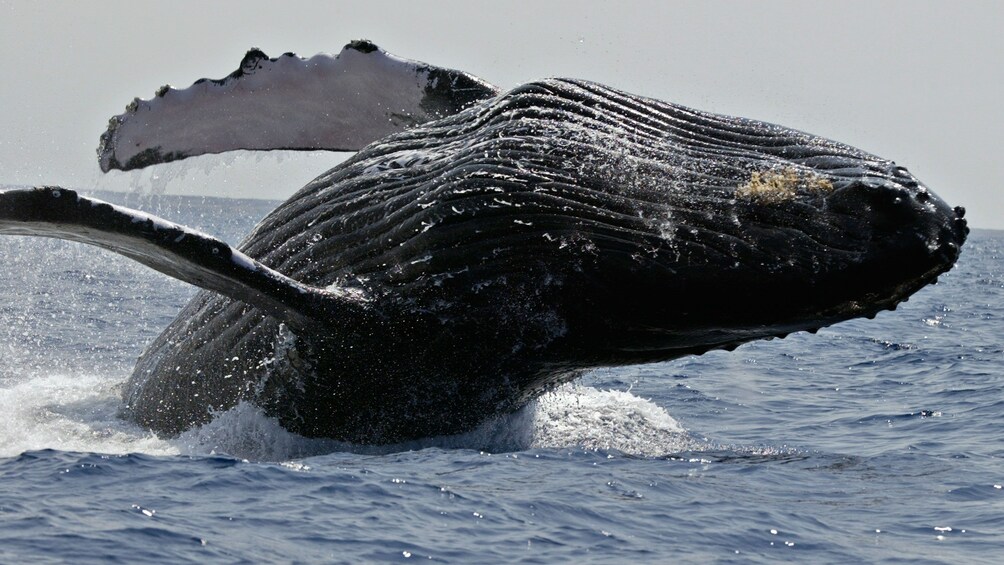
872, 441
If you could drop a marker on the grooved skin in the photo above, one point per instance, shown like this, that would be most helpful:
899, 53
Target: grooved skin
505, 148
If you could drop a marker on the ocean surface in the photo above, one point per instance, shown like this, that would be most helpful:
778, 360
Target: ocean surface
872, 441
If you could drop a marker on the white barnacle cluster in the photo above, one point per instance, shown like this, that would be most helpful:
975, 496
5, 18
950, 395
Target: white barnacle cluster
774, 186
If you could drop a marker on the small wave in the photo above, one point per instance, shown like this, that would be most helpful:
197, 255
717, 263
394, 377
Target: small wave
606, 420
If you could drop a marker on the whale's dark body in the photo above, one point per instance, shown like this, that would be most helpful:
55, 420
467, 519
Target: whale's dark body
457, 269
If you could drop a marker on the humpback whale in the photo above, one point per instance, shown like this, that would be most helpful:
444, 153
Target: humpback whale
482, 246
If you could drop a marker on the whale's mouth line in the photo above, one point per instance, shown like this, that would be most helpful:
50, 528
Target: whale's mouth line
645, 345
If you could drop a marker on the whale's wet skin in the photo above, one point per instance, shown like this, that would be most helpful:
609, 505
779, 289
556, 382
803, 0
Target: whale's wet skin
457, 269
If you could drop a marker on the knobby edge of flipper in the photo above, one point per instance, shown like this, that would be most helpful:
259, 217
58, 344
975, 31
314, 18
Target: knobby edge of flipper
172, 249
326, 102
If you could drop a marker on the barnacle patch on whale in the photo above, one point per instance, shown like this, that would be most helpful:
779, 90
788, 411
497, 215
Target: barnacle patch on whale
773, 186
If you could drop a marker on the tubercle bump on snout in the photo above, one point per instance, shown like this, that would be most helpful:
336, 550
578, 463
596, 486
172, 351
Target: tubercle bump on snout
961, 226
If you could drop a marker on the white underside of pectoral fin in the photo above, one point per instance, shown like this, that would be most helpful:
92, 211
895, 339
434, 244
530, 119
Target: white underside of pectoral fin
337, 103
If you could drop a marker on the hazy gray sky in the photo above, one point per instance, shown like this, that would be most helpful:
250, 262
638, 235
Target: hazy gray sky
916, 82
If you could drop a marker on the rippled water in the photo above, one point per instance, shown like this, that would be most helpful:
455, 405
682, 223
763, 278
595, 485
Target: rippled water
874, 440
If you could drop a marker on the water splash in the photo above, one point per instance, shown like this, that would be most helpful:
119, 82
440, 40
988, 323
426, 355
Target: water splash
79, 413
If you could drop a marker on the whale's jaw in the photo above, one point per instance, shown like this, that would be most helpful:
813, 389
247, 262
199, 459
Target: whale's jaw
759, 267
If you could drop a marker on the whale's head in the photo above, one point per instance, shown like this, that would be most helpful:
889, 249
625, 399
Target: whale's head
708, 231
617, 229
795, 246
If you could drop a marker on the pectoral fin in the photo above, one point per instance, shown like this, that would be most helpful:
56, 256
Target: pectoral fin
336, 103
172, 249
